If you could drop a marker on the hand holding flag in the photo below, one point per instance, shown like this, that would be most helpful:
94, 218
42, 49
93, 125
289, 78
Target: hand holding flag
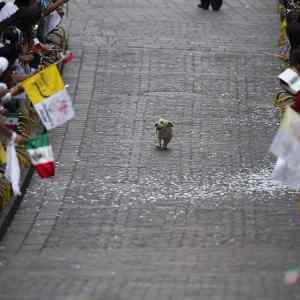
67, 58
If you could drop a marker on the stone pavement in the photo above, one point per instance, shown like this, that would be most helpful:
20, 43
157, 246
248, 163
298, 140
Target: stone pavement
124, 221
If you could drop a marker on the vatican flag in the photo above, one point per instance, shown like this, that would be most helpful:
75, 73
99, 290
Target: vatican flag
47, 92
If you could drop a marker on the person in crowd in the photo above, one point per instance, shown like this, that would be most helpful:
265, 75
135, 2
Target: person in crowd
293, 29
12, 40
215, 4
295, 65
290, 4
5, 96
295, 60
29, 14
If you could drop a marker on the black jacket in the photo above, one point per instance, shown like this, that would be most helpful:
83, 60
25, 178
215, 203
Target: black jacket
25, 18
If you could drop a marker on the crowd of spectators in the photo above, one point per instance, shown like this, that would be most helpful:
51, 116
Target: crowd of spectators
289, 27
24, 29
23, 24
289, 43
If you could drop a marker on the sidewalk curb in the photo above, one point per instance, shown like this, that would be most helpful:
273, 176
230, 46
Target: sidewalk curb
9, 212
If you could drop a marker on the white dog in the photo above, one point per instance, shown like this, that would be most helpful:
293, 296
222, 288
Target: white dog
164, 133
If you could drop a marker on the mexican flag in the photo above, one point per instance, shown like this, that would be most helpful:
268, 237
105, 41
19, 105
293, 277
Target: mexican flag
47, 92
41, 155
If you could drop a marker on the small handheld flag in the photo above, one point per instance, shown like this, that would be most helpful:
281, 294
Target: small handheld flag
68, 58
41, 155
37, 48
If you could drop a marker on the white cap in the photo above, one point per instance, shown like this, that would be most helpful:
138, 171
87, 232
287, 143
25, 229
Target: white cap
3, 65
3, 86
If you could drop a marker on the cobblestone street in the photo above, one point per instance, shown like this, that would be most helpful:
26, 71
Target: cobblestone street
122, 220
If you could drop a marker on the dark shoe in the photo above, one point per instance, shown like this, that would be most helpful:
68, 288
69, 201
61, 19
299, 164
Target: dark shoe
203, 7
216, 4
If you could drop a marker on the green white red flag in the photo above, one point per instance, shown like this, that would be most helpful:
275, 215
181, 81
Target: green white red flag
41, 155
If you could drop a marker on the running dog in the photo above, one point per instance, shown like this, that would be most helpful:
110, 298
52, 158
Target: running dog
164, 133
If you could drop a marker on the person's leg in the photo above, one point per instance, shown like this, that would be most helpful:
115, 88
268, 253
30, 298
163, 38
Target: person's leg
204, 4
216, 4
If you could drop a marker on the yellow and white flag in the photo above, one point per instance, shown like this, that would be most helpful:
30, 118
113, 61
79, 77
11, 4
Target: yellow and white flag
47, 92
